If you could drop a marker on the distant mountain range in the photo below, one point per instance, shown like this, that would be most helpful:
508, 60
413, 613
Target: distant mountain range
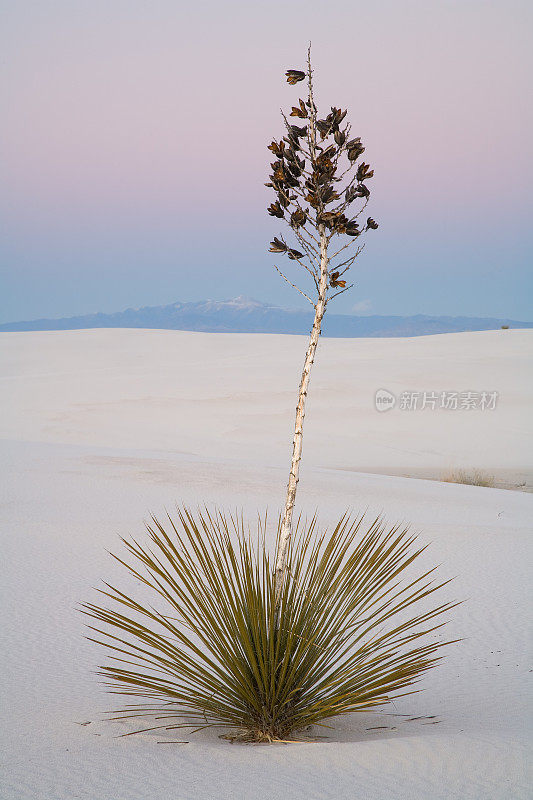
245, 315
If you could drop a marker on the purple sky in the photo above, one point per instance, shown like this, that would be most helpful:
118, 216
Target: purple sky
134, 150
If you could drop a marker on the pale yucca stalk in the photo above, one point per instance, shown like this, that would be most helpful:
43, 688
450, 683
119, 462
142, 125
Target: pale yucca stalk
308, 174
286, 526
214, 646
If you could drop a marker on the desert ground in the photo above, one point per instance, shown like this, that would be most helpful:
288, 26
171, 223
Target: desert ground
100, 428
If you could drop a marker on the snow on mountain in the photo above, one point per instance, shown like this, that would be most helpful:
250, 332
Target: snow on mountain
246, 315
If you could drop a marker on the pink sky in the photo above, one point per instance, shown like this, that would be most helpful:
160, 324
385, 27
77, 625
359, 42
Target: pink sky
134, 143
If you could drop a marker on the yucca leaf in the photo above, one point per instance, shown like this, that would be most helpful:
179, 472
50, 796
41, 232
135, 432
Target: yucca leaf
220, 651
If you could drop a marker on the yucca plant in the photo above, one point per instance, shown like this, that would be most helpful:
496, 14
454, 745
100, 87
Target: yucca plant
321, 191
350, 630
333, 623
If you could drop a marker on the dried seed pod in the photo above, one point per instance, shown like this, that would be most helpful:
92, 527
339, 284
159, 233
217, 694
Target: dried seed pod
337, 115
355, 151
362, 190
275, 210
277, 246
299, 111
339, 137
298, 132
298, 218
334, 280
294, 76
277, 149
364, 172
352, 229
294, 254
324, 127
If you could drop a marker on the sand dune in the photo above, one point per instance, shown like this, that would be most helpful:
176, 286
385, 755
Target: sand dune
101, 427
230, 395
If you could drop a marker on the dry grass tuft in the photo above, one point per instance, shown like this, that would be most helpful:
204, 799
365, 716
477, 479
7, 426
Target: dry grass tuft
475, 478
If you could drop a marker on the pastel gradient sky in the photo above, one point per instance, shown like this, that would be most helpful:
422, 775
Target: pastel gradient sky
134, 150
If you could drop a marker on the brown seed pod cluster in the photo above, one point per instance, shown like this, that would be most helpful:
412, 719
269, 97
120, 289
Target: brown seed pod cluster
317, 175
307, 172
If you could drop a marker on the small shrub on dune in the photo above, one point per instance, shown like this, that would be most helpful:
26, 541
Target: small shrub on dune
474, 478
348, 632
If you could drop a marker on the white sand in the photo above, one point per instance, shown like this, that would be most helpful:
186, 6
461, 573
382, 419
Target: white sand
221, 395
101, 427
